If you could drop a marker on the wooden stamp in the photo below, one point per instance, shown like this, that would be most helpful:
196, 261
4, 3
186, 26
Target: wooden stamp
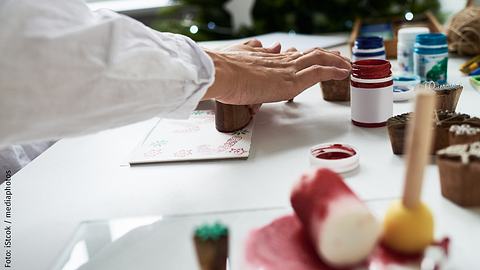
336, 90
230, 118
211, 245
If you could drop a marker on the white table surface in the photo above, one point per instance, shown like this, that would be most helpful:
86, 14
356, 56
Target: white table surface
81, 178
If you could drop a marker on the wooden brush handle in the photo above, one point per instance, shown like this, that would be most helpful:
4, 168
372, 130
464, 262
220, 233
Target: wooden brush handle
419, 143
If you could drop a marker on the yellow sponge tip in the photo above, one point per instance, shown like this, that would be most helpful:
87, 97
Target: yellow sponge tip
406, 230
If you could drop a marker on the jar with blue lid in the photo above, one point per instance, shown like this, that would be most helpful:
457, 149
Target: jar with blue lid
431, 57
403, 87
368, 47
406, 41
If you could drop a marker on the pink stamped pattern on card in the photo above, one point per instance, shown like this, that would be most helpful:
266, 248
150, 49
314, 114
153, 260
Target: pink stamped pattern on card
206, 149
183, 153
153, 153
238, 151
229, 143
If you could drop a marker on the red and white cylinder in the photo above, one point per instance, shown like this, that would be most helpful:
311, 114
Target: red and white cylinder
341, 228
371, 93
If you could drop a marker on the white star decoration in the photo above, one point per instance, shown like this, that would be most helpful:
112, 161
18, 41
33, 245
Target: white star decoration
241, 12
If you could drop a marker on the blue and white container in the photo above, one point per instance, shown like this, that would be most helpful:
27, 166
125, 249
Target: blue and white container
406, 40
368, 48
403, 87
430, 57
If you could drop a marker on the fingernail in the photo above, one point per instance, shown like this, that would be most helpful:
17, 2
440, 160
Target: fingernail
275, 44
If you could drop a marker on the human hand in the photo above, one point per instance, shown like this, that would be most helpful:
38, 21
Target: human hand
254, 45
250, 74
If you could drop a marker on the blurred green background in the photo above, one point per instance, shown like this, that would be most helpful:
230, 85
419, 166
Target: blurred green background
300, 16
211, 20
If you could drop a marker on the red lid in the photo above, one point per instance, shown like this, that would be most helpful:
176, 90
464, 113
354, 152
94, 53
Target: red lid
371, 69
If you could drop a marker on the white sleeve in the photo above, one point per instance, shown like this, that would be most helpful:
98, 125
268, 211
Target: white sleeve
65, 71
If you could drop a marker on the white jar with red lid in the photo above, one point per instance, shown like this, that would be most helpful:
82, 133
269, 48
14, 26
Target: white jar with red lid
371, 93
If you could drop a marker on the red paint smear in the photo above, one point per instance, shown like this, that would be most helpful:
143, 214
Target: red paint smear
283, 245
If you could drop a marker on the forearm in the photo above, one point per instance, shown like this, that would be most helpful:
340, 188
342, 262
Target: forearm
69, 78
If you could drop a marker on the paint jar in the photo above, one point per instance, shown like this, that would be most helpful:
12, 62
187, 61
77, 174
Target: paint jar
338, 157
406, 40
371, 93
368, 48
430, 57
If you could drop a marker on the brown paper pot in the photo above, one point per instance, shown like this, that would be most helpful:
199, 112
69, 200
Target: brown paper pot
396, 131
230, 118
447, 100
336, 90
212, 254
460, 182
441, 137
462, 139
397, 125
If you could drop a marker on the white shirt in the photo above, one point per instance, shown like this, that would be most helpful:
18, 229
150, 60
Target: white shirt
65, 70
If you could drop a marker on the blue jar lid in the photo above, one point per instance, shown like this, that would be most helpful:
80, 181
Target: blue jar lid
432, 39
369, 42
406, 79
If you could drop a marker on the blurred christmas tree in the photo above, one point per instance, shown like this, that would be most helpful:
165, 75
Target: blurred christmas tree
211, 19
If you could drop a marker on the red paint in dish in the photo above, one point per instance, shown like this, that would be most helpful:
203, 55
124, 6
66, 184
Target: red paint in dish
334, 151
333, 155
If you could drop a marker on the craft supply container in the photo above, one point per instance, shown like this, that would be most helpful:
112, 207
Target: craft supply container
431, 57
371, 93
368, 48
406, 41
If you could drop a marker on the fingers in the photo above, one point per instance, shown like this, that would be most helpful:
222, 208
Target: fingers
253, 43
317, 73
321, 57
275, 48
292, 50
327, 51
257, 44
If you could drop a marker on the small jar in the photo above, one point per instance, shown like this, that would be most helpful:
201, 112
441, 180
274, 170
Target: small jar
338, 157
368, 48
403, 87
406, 40
431, 57
371, 93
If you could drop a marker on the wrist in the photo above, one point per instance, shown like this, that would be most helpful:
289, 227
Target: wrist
214, 91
